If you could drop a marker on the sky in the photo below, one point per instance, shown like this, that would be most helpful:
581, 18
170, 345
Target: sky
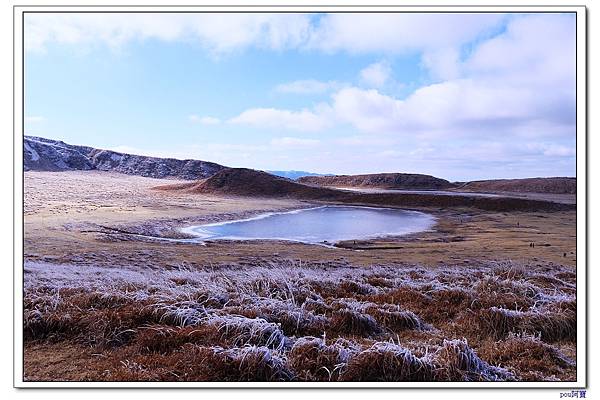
460, 96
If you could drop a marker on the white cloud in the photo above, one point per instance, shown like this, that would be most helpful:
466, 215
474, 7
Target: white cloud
365, 140
307, 86
551, 149
228, 154
399, 32
521, 100
142, 152
204, 120
294, 143
303, 120
464, 107
544, 44
443, 63
511, 96
367, 110
531, 95
437, 35
376, 74
559, 151
219, 33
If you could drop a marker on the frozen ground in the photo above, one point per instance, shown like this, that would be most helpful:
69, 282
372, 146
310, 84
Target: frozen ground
294, 321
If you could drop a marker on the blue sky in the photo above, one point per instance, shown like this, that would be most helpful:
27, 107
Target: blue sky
480, 96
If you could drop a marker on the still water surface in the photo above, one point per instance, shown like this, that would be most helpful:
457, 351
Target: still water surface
321, 224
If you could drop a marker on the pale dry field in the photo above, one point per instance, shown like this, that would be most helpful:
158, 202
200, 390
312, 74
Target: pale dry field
470, 300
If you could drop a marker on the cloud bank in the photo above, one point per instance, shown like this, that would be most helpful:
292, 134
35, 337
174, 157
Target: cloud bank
500, 89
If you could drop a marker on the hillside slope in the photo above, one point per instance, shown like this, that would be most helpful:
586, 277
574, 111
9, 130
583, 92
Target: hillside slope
380, 181
40, 154
249, 182
558, 185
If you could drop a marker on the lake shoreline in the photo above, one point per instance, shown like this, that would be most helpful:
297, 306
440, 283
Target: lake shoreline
280, 222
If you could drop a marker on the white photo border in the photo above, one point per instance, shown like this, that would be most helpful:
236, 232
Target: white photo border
582, 190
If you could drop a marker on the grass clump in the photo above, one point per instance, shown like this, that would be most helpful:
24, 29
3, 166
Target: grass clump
387, 362
237, 364
240, 330
529, 357
293, 320
549, 325
456, 361
313, 360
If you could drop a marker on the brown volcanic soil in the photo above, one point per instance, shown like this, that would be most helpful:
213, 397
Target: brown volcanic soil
249, 182
528, 185
381, 181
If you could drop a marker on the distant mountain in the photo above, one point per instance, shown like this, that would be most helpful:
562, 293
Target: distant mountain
294, 174
40, 154
380, 181
249, 182
401, 181
557, 185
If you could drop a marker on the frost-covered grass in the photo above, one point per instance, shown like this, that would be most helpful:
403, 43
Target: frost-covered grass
297, 321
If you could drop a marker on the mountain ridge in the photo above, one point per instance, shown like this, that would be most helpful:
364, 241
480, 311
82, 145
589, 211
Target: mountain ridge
554, 185
41, 154
380, 181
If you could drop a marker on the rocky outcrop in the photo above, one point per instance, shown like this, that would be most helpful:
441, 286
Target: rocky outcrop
40, 154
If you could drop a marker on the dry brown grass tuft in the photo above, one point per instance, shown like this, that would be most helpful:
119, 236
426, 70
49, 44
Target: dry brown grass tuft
196, 363
239, 331
165, 339
38, 325
293, 320
495, 291
456, 361
313, 360
394, 318
247, 364
317, 306
387, 362
529, 357
114, 327
348, 321
352, 288
408, 297
550, 325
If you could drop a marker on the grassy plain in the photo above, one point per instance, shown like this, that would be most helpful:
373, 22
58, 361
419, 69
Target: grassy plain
110, 295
